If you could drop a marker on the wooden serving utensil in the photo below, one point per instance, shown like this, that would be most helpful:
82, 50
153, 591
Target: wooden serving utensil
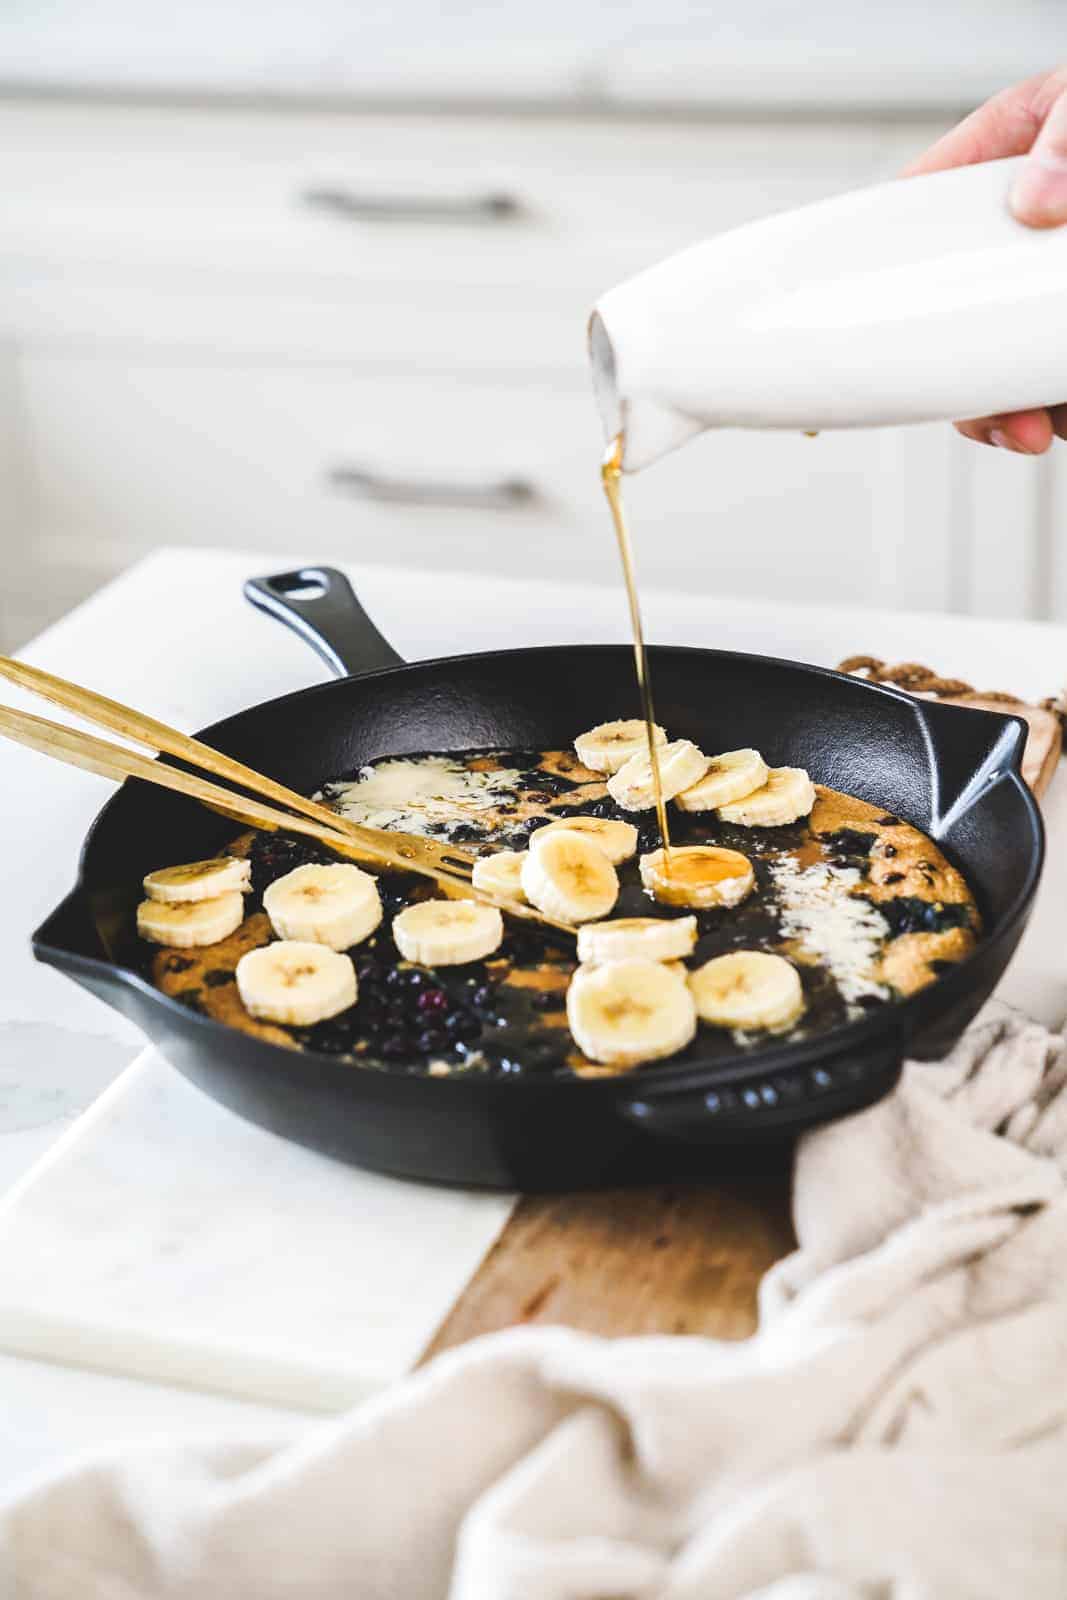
375, 846
154, 735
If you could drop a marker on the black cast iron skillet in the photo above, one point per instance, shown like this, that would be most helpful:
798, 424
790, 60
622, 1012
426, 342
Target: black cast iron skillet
953, 773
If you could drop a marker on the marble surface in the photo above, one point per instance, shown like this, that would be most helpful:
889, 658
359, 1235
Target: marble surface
51, 1413
165, 1238
60, 1047
48, 1075
827, 54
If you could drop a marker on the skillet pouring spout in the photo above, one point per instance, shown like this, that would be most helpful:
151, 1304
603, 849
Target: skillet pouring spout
949, 771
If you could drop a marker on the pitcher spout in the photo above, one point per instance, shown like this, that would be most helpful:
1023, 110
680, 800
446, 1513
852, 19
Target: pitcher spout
650, 425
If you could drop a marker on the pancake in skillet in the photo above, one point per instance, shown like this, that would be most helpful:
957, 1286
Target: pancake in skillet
866, 907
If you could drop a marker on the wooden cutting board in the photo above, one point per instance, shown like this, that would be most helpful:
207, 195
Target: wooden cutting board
674, 1259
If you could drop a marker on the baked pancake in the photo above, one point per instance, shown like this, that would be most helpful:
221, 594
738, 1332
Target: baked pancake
866, 907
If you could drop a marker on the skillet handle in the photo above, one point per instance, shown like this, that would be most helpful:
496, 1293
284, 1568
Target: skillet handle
771, 1104
320, 605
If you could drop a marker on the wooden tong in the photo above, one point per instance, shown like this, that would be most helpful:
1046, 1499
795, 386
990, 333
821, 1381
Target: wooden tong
450, 868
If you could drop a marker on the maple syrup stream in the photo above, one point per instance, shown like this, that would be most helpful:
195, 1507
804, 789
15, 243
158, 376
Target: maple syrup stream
611, 474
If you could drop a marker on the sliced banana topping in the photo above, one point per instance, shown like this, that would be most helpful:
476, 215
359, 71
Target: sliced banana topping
644, 938
731, 776
747, 989
500, 873
607, 746
698, 875
445, 933
681, 765
787, 795
618, 840
334, 904
296, 982
198, 880
187, 924
568, 877
629, 1011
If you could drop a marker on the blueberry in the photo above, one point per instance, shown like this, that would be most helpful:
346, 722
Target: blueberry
482, 996
461, 1025
850, 841
396, 1046
428, 1039
330, 1040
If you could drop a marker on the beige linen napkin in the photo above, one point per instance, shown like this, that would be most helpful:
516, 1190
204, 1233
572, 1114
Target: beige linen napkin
897, 1430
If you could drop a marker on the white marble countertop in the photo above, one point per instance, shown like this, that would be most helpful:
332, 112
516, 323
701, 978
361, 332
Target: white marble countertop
828, 54
59, 1047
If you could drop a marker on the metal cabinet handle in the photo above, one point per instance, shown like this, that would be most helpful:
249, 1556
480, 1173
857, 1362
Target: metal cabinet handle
476, 208
508, 494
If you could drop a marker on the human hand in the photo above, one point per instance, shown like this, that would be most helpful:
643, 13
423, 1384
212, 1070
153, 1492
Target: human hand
1030, 118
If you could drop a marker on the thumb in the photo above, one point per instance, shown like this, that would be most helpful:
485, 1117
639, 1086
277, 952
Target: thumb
1039, 197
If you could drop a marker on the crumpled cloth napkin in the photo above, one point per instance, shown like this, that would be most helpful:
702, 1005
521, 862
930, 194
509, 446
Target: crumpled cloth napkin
897, 1430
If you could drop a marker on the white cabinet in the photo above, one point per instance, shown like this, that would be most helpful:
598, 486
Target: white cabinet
464, 471
362, 336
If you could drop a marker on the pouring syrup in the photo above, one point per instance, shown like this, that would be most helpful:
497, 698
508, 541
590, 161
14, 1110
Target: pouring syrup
611, 475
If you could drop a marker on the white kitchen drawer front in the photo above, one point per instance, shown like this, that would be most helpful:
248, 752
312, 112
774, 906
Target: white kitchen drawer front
435, 471
530, 202
457, 473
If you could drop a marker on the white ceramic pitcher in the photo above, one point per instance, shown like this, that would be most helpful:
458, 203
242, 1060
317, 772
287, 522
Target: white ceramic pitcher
906, 302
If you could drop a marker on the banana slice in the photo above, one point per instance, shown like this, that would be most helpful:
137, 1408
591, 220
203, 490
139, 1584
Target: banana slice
500, 873
568, 877
296, 982
198, 880
618, 840
190, 923
605, 747
681, 765
445, 933
336, 905
787, 795
730, 776
701, 875
629, 1011
747, 989
647, 938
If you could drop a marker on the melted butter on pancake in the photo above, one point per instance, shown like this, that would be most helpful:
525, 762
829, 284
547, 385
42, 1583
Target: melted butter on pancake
423, 794
829, 924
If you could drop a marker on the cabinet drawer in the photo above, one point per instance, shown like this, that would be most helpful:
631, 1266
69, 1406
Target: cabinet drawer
461, 473
425, 471
532, 202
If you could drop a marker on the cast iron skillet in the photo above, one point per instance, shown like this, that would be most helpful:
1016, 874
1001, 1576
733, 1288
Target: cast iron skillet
955, 774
